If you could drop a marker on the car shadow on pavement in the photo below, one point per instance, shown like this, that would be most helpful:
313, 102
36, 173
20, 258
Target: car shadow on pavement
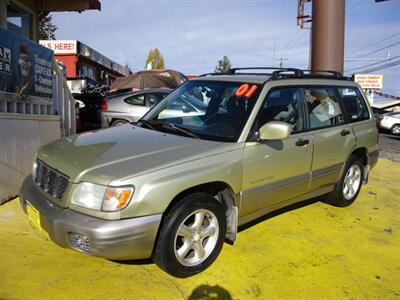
139, 262
243, 227
278, 212
215, 292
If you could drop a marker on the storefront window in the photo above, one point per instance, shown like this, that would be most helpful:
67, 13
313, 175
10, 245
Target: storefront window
19, 21
86, 71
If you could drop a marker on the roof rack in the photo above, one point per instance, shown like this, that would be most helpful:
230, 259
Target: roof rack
284, 73
210, 74
276, 71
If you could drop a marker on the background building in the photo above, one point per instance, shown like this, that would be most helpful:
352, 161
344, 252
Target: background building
83, 64
32, 88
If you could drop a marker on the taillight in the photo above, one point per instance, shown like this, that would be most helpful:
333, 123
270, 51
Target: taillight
380, 117
104, 105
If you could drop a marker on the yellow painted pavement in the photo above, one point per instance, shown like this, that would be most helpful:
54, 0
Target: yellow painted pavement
313, 252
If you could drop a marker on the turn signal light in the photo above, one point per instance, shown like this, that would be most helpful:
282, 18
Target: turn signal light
116, 198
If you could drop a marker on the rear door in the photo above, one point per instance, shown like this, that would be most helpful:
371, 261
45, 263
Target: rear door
332, 134
135, 106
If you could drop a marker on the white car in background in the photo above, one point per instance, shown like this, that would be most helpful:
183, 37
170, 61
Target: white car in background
390, 121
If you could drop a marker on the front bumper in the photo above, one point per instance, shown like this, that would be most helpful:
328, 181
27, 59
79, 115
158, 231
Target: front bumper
112, 239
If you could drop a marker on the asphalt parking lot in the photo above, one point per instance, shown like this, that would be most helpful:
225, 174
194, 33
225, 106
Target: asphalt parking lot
313, 252
389, 146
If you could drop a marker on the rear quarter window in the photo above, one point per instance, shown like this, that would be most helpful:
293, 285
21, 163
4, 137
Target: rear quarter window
135, 100
354, 104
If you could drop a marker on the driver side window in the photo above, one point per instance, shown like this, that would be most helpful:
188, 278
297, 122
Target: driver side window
285, 105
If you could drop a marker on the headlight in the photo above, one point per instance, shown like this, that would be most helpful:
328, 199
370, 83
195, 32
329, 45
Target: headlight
89, 195
100, 197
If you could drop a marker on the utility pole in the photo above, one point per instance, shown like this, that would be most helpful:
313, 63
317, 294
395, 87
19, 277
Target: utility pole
281, 61
327, 35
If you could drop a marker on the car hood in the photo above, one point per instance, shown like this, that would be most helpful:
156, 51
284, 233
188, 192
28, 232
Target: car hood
122, 151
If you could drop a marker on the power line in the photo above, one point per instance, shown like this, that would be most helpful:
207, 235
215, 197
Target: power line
389, 65
294, 42
354, 6
295, 34
383, 48
376, 63
377, 42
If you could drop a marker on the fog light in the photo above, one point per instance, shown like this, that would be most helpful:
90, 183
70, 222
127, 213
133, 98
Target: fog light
79, 242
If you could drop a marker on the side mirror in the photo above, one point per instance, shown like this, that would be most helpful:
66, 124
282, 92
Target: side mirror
274, 130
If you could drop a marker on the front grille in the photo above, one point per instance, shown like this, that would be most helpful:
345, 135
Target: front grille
50, 181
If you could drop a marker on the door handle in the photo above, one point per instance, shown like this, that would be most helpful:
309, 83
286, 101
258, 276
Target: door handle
345, 132
302, 142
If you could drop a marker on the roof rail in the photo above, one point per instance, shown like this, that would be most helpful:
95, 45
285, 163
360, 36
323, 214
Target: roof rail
275, 70
210, 74
284, 73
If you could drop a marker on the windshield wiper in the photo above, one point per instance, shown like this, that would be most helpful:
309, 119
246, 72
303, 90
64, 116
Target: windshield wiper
176, 128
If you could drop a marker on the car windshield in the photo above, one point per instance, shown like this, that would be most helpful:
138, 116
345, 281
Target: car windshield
208, 110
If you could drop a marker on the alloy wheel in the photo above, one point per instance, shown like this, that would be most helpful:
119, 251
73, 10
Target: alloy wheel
352, 182
196, 237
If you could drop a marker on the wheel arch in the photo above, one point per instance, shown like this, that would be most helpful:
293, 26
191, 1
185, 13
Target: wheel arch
219, 190
118, 119
361, 152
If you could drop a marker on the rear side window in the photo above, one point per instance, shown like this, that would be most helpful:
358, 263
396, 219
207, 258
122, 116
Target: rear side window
135, 100
323, 107
354, 103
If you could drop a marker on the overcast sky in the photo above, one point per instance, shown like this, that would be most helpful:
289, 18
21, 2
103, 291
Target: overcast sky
193, 34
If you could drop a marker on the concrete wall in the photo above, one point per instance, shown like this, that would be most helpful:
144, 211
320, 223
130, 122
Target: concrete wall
20, 137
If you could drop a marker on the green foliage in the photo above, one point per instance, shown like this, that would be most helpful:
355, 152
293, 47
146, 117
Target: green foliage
154, 60
223, 66
47, 28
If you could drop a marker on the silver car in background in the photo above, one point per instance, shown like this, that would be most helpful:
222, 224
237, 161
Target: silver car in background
129, 107
390, 121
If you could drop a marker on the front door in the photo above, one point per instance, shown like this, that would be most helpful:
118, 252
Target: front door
277, 170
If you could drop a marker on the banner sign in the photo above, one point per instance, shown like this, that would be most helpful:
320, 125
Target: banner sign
369, 81
60, 46
25, 67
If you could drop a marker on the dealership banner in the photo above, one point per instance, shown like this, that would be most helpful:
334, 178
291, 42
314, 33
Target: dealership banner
25, 67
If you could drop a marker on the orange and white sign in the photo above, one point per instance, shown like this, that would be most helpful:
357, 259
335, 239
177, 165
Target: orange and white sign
60, 46
369, 81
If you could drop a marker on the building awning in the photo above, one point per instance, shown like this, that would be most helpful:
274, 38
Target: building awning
71, 5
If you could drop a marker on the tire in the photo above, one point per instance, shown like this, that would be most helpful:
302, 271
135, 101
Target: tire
349, 185
395, 129
181, 249
118, 122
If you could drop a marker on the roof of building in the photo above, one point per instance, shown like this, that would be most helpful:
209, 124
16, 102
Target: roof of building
71, 5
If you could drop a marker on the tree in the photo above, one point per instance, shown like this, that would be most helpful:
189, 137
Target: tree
47, 28
154, 60
223, 66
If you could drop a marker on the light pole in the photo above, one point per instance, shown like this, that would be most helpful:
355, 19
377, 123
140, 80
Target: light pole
327, 35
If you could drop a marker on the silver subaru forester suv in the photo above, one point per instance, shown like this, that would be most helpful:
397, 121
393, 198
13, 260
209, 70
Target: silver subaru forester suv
173, 187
